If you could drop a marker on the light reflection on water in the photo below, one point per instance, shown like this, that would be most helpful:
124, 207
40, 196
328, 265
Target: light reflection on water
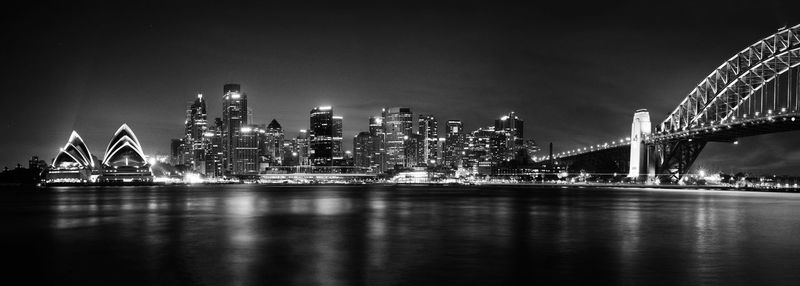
351, 235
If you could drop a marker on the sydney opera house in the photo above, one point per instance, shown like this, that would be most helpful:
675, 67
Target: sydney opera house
123, 162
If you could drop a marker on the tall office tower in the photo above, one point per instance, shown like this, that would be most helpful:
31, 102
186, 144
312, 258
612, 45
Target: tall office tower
185, 155
338, 148
429, 130
273, 143
321, 136
214, 151
264, 159
234, 117
397, 126
362, 150
289, 153
512, 128
479, 150
196, 126
244, 159
454, 144
510, 123
414, 150
378, 152
175, 151
301, 143
196, 119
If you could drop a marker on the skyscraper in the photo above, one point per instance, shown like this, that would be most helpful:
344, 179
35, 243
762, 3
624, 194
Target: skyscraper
214, 152
377, 150
234, 117
454, 143
413, 149
273, 143
245, 153
510, 123
429, 130
301, 143
362, 149
398, 126
321, 133
196, 126
338, 149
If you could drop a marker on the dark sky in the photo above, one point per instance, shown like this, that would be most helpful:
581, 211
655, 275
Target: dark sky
574, 72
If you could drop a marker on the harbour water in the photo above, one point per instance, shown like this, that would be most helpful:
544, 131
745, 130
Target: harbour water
397, 235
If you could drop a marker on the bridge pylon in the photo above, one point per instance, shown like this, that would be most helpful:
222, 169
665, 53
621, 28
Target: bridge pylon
640, 130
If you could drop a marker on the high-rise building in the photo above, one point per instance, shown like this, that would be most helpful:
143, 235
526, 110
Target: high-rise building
414, 150
244, 159
214, 151
397, 126
478, 147
301, 143
362, 149
289, 153
175, 151
196, 126
510, 123
273, 143
338, 129
321, 133
454, 144
234, 118
377, 150
429, 130
511, 127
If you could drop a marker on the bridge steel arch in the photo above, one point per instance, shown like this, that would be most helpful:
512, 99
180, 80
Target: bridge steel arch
756, 91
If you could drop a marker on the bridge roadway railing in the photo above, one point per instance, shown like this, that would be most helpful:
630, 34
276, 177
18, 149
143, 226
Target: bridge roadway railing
730, 130
588, 149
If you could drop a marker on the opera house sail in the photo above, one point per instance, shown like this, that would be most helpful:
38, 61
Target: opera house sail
73, 164
124, 160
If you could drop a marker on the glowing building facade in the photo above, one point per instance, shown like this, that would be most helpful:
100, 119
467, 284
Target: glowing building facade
124, 161
73, 164
234, 117
321, 136
429, 130
397, 126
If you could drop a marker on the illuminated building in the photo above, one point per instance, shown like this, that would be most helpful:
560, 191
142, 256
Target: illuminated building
454, 143
124, 160
429, 130
377, 150
397, 126
244, 158
195, 141
321, 133
301, 143
510, 123
273, 143
73, 164
289, 153
338, 149
175, 151
414, 150
234, 117
362, 149
214, 151
478, 150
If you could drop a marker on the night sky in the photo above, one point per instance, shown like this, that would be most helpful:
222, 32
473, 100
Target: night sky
574, 72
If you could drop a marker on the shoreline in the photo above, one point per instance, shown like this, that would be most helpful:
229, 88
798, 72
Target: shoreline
531, 185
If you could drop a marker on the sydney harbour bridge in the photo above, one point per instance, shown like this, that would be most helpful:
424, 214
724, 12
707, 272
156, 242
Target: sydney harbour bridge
755, 92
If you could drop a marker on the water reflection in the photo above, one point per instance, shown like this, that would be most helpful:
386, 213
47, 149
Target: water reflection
343, 235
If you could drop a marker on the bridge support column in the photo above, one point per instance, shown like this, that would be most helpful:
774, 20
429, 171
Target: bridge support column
640, 129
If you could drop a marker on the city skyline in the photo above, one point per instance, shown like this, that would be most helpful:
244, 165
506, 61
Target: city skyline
444, 77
